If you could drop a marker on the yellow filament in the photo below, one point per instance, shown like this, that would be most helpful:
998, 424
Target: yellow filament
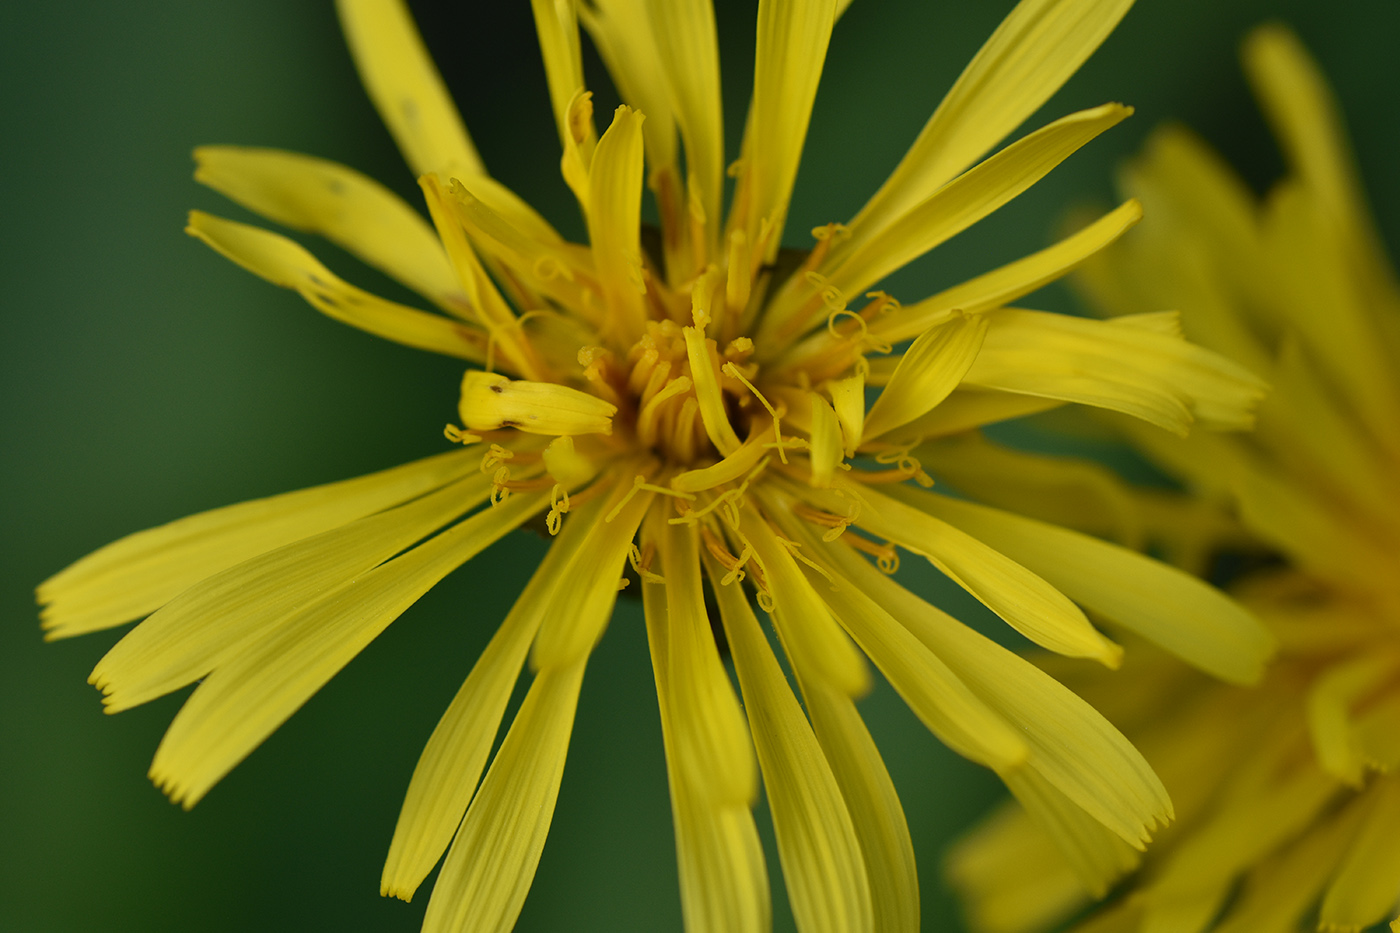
558, 507
792, 548
646, 420
641, 562
458, 436
639, 483
729, 369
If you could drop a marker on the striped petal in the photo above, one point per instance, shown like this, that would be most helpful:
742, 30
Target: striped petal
406, 88
1179, 612
351, 210
287, 265
141, 572
1033, 52
492, 861
447, 772
723, 881
246, 699
218, 617
821, 856
927, 372
614, 223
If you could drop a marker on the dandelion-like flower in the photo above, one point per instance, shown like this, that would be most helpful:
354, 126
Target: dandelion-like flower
692, 416
1287, 795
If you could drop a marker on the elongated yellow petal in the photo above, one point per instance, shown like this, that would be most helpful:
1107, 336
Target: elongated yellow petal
874, 807
927, 372
1283, 889
1183, 614
970, 197
821, 856
406, 88
1331, 721
731, 469
848, 401
790, 52
1363, 891
490, 401
935, 694
724, 883
1012, 280
684, 35
492, 861
141, 572
286, 264
349, 209
245, 699
1022, 598
967, 407
556, 22
211, 621
629, 46
1010, 876
588, 583
712, 740
1097, 856
826, 451
1072, 746
614, 223
1128, 364
1033, 52
451, 764
812, 639
704, 369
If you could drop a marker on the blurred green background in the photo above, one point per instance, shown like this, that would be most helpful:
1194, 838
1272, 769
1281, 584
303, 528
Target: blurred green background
145, 378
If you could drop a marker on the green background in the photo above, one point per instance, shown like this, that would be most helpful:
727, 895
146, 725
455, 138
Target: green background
145, 378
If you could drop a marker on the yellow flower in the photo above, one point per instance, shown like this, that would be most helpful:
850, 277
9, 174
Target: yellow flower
694, 410
1287, 796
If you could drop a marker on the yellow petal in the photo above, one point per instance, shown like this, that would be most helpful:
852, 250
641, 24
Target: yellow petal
628, 45
683, 32
967, 407
848, 401
826, 451
704, 369
927, 372
588, 583
210, 622
1363, 891
492, 861
970, 197
406, 88
1097, 857
812, 639
874, 807
451, 764
943, 702
556, 22
1010, 876
731, 469
711, 739
248, 697
821, 856
723, 881
490, 401
614, 223
1022, 598
1330, 700
1072, 746
351, 210
1183, 614
1011, 281
791, 49
1033, 52
141, 572
285, 264
1128, 364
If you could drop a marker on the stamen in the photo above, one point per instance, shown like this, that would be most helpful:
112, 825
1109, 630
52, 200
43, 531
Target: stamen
558, 507
729, 369
735, 565
641, 562
886, 557
792, 548
739, 282
646, 420
639, 483
458, 436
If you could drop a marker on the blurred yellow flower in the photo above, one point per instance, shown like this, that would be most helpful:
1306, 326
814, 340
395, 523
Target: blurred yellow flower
695, 409
1287, 799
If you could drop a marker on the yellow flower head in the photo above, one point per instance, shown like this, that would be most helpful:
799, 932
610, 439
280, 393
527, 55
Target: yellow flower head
1287, 797
688, 414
